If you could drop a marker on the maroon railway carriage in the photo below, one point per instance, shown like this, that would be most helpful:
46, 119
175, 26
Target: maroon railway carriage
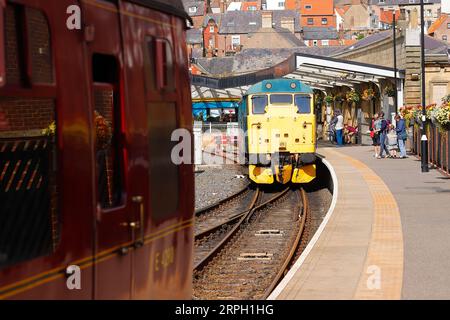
86, 177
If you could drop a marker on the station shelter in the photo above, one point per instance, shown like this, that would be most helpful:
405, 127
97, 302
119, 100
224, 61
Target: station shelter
358, 89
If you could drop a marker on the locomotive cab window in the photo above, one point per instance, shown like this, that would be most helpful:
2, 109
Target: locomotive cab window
259, 104
281, 99
107, 119
29, 221
303, 104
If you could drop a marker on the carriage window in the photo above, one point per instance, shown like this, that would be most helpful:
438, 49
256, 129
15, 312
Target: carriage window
149, 64
27, 39
303, 103
280, 99
259, 104
107, 119
158, 65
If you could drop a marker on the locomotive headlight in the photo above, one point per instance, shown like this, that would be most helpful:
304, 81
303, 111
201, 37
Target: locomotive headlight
293, 85
269, 86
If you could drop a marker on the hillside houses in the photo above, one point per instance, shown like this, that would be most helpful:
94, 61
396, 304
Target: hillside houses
226, 27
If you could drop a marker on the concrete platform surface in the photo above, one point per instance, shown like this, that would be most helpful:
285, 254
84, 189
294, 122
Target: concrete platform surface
388, 236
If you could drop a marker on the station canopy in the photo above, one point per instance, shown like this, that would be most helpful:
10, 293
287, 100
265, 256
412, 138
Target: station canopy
318, 72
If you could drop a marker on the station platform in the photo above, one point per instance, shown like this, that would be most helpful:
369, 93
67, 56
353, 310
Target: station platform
386, 235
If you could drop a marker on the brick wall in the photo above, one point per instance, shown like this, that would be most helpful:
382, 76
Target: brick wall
24, 114
103, 101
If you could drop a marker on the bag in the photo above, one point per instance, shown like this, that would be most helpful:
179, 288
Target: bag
372, 134
404, 135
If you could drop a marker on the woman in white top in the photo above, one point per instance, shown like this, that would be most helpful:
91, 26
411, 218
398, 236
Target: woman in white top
339, 128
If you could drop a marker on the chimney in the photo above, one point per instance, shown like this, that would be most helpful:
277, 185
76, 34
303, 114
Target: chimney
222, 6
288, 23
267, 19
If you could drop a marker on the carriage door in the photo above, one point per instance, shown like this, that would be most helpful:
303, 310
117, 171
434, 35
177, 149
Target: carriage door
115, 225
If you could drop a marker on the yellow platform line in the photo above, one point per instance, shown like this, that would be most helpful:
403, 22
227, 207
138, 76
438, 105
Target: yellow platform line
382, 276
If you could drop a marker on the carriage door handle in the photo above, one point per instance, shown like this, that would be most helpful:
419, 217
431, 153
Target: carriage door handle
140, 224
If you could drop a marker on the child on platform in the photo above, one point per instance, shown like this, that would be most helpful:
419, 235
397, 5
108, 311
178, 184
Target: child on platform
392, 142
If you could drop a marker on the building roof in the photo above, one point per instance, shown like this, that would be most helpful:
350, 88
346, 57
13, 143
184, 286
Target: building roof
194, 36
244, 22
342, 10
238, 22
367, 41
249, 60
387, 16
437, 24
320, 33
399, 2
217, 17
198, 4
317, 8
279, 15
246, 5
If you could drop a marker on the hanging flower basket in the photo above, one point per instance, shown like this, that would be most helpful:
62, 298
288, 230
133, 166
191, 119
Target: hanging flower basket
353, 96
390, 91
329, 99
442, 116
368, 94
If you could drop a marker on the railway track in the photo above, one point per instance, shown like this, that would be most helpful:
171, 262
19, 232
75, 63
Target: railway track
245, 255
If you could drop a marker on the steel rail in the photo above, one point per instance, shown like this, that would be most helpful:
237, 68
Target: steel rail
244, 218
284, 268
216, 205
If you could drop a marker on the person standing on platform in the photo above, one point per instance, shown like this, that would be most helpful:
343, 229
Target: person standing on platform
382, 132
402, 135
339, 128
375, 135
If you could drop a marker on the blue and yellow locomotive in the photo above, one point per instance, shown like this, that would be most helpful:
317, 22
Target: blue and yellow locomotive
280, 125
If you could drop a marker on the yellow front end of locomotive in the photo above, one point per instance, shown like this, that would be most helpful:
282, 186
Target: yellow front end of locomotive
281, 129
304, 174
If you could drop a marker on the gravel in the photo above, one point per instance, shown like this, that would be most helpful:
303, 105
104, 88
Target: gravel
214, 183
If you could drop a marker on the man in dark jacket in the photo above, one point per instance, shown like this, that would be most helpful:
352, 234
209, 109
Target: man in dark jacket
401, 135
383, 132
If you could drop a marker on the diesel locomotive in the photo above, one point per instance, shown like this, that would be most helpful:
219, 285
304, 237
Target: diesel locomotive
277, 117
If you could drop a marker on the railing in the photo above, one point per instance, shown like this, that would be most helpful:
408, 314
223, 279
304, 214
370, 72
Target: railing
438, 147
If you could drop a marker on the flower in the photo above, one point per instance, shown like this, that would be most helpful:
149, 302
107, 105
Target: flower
368, 94
353, 96
50, 130
329, 98
390, 91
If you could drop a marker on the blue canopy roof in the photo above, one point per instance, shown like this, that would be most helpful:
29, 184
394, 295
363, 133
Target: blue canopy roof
280, 85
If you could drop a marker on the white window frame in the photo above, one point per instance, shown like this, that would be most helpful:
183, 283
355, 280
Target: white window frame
235, 41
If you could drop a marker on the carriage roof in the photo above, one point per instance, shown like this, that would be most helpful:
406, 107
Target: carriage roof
280, 85
174, 7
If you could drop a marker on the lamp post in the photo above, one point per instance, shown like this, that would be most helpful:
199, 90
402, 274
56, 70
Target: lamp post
395, 62
424, 139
